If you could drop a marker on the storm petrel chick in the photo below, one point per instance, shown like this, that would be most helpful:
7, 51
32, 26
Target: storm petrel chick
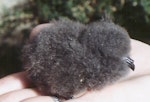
68, 57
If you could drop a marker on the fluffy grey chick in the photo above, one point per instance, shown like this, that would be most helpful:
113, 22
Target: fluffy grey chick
69, 57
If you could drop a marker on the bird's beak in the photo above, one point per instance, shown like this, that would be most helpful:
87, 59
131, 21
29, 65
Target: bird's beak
130, 63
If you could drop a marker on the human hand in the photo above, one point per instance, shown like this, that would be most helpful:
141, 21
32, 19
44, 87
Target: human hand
133, 88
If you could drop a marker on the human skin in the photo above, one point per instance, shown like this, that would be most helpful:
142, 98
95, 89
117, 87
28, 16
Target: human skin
132, 88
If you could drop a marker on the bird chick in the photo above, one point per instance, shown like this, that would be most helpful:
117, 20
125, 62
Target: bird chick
68, 57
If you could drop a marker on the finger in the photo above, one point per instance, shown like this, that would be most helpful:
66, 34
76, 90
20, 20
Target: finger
13, 82
39, 99
18, 95
130, 91
136, 90
38, 29
140, 54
